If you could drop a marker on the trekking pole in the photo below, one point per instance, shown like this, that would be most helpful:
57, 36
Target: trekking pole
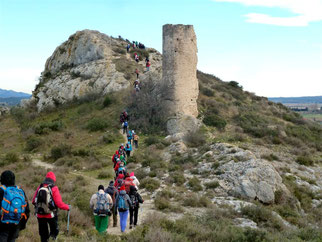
68, 222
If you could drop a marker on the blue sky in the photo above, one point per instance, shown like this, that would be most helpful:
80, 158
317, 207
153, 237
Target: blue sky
271, 47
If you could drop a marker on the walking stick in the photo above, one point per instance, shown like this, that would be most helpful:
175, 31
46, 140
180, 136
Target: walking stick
68, 222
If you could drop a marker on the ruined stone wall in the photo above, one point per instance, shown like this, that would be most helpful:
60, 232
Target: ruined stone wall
179, 69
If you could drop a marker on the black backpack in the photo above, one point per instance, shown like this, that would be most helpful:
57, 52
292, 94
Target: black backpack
44, 200
134, 200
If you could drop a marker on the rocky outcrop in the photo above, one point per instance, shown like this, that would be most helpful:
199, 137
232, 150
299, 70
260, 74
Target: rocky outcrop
89, 62
179, 72
4, 110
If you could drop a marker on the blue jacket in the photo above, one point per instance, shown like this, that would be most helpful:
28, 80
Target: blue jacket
128, 147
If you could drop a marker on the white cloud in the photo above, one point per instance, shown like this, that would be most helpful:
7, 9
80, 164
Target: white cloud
305, 11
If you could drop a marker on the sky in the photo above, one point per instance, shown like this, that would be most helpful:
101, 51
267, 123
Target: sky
272, 48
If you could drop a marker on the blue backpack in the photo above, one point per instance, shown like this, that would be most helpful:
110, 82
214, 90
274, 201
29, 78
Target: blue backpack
121, 204
13, 205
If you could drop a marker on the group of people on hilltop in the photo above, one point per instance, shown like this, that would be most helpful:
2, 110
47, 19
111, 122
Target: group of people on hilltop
15, 207
121, 196
134, 45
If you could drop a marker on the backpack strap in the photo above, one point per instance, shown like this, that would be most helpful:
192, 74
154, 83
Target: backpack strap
3, 187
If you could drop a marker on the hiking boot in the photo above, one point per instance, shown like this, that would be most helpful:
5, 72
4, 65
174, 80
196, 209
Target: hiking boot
130, 226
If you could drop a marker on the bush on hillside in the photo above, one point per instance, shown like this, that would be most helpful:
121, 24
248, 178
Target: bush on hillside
215, 121
45, 127
234, 84
60, 151
151, 140
150, 184
194, 184
11, 157
107, 101
195, 138
32, 143
147, 109
97, 124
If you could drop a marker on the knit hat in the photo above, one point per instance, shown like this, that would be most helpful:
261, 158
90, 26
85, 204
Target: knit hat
100, 187
122, 188
51, 175
132, 173
111, 183
8, 178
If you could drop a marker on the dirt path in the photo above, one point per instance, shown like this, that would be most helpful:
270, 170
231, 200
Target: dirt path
145, 209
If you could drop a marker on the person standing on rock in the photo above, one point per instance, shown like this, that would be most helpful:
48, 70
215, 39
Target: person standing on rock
10, 226
136, 199
112, 191
123, 204
101, 203
46, 207
128, 48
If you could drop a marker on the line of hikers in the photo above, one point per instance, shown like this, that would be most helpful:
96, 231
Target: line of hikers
134, 45
15, 209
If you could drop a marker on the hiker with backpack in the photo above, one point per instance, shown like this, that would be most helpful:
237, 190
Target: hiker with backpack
129, 137
128, 48
128, 182
101, 203
125, 126
135, 180
128, 149
115, 157
14, 214
136, 140
123, 204
112, 191
136, 199
47, 200
119, 181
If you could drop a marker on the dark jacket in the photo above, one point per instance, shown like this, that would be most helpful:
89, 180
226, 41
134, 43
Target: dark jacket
112, 191
135, 196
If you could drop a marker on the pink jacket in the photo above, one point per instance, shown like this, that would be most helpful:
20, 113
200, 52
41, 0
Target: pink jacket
56, 197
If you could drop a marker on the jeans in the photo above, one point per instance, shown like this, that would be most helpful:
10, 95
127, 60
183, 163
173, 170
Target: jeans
43, 228
123, 219
9, 232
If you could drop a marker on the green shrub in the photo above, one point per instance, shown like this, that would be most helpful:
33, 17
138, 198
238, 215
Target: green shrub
215, 121
11, 157
162, 203
45, 128
180, 160
150, 184
234, 84
151, 140
191, 200
305, 160
97, 124
195, 138
60, 151
212, 185
33, 143
81, 152
270, 157
103, 175
262, 216
177, 178
107, 101
208, 92
194, 184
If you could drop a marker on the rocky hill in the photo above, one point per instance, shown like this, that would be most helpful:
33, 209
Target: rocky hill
88, 63
252, 172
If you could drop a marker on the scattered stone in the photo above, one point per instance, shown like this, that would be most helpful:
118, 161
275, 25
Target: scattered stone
245, 222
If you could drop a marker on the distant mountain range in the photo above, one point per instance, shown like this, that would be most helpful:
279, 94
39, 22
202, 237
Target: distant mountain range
313, 99
12, 98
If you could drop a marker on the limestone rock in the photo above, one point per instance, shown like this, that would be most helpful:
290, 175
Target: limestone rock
85, 64
253, 179
4, 110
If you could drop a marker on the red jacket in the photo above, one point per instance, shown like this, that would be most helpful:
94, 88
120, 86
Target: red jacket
56, 197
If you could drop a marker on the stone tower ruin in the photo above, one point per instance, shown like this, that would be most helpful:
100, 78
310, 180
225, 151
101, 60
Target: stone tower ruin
179, 73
